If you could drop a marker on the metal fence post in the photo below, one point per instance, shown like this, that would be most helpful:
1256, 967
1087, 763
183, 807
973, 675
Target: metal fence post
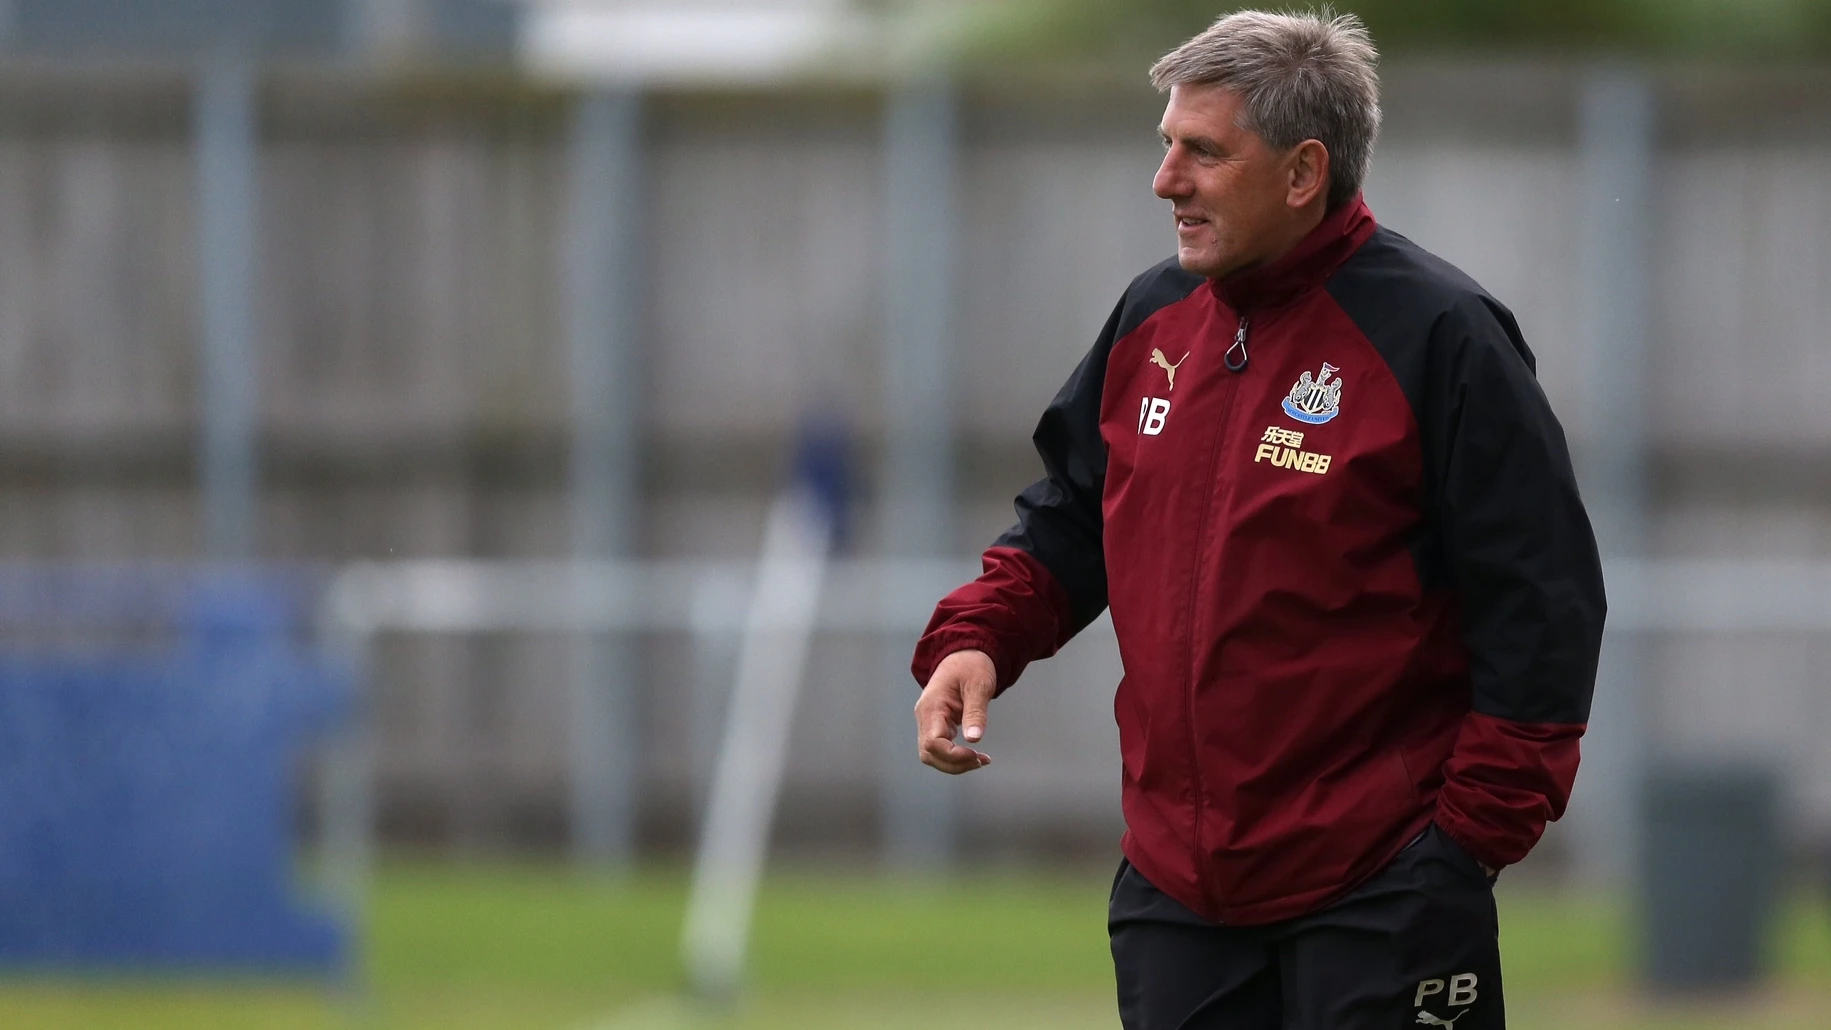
226, 131
347, 799
1616, 123
602, 307
920, 145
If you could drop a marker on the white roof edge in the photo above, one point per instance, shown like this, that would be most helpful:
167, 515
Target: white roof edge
696, 45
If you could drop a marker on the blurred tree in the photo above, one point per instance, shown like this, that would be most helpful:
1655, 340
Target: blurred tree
1124, 30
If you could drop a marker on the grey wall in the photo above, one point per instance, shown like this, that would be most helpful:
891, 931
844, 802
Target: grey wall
454, 28
413, 392
63, 25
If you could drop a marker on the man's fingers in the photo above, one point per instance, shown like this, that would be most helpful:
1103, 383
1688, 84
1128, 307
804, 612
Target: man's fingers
978, 697
935, 738
933, 721
949, 757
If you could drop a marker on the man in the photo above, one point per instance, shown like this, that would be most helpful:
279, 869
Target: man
1308, 467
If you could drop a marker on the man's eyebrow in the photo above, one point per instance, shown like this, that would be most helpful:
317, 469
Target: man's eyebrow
1197, 142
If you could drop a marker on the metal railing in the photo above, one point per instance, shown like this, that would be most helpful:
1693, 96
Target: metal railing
710, 600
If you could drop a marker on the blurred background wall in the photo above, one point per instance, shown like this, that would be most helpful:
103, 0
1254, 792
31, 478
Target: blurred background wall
414, 395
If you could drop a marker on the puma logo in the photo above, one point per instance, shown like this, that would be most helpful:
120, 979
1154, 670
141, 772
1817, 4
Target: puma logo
1162, 362
1427, 1019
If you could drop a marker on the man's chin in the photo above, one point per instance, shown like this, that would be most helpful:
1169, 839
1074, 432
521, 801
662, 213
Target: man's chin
1199, 262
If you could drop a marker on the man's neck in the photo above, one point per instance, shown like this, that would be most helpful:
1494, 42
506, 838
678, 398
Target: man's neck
1301, 224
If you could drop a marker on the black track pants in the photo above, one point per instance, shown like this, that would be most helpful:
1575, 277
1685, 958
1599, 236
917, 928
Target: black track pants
1416, 946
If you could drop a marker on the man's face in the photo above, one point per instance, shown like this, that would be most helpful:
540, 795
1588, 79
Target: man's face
1228, 188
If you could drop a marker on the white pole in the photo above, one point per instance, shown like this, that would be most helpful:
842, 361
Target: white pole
734, 843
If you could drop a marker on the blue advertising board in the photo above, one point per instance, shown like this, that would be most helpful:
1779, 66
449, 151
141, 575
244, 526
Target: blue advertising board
147, 801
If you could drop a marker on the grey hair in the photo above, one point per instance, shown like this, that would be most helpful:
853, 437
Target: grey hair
1301, 77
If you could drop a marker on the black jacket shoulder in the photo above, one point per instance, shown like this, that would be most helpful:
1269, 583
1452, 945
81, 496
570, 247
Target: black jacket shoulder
1408, 301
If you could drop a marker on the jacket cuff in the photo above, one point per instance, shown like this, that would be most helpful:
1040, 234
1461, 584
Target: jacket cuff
1016, 612
937, 645
1505, 780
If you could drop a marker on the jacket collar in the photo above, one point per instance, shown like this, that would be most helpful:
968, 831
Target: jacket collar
1305, 266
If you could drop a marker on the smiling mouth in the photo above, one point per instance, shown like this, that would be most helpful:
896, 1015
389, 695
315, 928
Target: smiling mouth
1189, 222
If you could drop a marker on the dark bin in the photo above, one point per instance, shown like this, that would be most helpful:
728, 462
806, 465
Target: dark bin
1710, 871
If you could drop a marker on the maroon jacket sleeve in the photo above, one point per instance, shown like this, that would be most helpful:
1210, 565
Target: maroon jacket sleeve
1045, 578
1517, 546
1015, 612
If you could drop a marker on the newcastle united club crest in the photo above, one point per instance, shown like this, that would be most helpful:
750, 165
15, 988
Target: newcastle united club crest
1315, 400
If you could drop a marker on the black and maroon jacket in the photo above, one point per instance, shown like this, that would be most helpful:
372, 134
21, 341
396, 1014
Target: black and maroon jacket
1353, 584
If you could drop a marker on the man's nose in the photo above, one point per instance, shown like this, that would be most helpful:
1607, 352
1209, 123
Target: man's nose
1170, 183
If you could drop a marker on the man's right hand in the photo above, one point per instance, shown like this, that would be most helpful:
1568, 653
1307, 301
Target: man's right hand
957, 695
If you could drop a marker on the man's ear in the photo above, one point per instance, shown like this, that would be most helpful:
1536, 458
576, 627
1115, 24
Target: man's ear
1309, 176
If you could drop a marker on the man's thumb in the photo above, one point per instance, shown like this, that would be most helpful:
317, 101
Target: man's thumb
976, 695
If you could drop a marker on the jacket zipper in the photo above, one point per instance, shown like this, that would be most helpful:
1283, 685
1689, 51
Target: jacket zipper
1201, 528
1239, 344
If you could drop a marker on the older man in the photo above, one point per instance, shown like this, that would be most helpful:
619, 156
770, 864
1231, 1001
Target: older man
1309, 469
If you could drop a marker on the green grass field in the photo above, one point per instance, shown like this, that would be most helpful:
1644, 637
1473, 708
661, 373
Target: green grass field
539, 948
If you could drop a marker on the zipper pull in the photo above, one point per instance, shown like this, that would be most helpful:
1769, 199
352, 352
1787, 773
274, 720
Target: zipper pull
1239, 345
